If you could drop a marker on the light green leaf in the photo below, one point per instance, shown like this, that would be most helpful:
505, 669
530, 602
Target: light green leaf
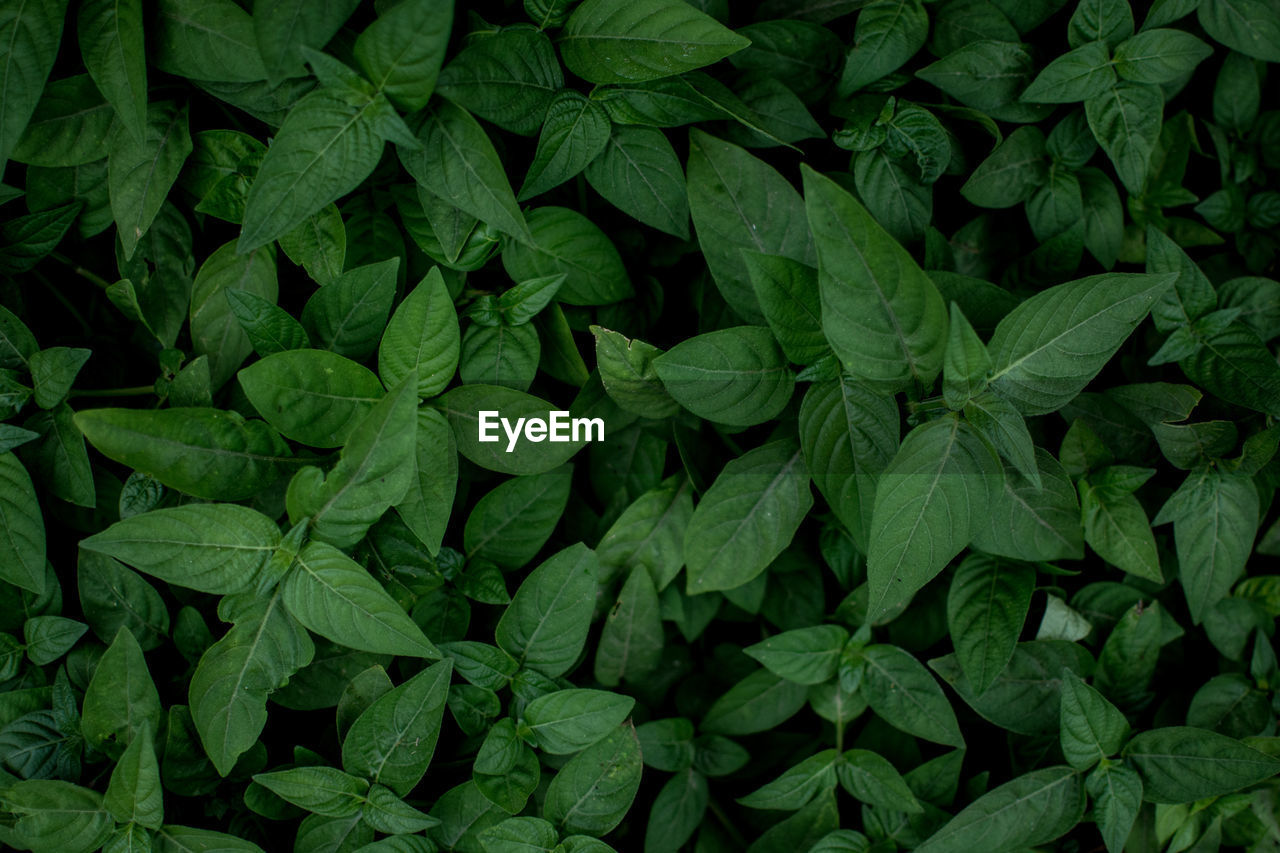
321, 790
735, 376
803, 655
1033, 809
22, 543
121, 699
270, 329
215, 330
423, 337
312, 396
546, 624
569, 720
1181, 764
905, 695
987, 605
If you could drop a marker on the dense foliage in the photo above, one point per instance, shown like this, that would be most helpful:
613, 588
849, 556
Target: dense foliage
933, 346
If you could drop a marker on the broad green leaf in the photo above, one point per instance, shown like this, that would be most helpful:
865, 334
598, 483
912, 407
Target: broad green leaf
22, 533
869, 777
50, 637
214, 548
285, 27
70, 127
989, 74
456, 161
509, 78
1092, 728
32, 32
112, 596
650, 533
803, 655
566, 242
594, 790
142, 171
121, 700
312, 396
574, 132
1126, 121
888, 33
1116, 791
739, 202
607, 42
463, 405
349, 314
56, 815
677, 811
134, 794
787, 292
987, 605
426, 506
114, 55
1107, 21
1248, 26
321, 790
423, 337
402, 50
1116, 526
1033, 809
905, 695
928, 502
1011, 173
510, 524
393, 741
734, 376
270, 329
1181, 764
1028, 523
1000, 423
567, 721
629, 376
798, 784
1075, 76
1159, 56
207, 453
229, 688
965, 364
631, 641
215, 329
1052, 345
1235, 365
747, 518
500, 355
546, 624
207, 40
882, 315
638, 173
318, 244
332, 595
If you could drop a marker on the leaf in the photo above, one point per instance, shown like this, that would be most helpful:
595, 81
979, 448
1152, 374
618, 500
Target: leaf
1159, 56
798, 784
121, 700
270, 329
215, 330
1234, 364
402, 50
631, 641
987, 605
928, 502
463, 405
638, 173
318, 244
324, 149
1248, 26
50, 637
207, 453
880, 312
889, 32
509, 78
1126, 121
904, 694
593, 791
207, 40
564, 242
392, 742
349, 314
989, 74
1108, 21
229, 688
422, 337
567, 721
1048, 349
134, 794
332, 595
788, 295
112, 46
747, 518
677, 811
214, 548
22, 533
735, 376
70, 126
312, 396
142, 171
546, 624
607, 43
739, 202
1075, 76
426, 506
1092, 728
456, 161
650, 533
1028, 523
1181, 764
1011, 173
510, 524
574, 132
1117, 797
285, 28
1116, 526
57, 815
869, 777
321, 790
803, 655
32, 32
1035, 808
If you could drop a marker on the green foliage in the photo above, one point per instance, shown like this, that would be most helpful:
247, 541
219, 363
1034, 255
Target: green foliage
916, 365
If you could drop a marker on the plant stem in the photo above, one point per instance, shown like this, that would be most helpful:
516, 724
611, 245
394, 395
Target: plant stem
80, 271
135, 391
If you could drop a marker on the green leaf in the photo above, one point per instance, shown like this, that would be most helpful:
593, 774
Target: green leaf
214, 548
270, 329
1051, 346
321, 790
570, 720
1181, 764
134, 794
1001, 424
1028, 523
422, 337
638, 173
594, 790
546, 624
284, 28
1116, 526
650, 534
22, 533
56, 815
966, 363
402, 50
869, 777
426, 506
50, 637
740, 202
1107, 21
797, 785
121, 699
1117, 796
349, 314
312, 396
888, 33
215, 329
604, 42
987, 606
1126, 121
1011, 173
734, 376
456, 161
880, 312
677, 811
564, 242
788, 295
114, 55
1160, 56
510, 524
509, 78
1236, 366
631, 641
500, 355
393, 741
905, 695
747, 518
574, 132
1092, 728
928, 502
1075, 76
804, 655
32, 31
629, 376
462, 406
207, 453
989, 75
332, 595
1033, 809
318, 244
70, 127
229, 688
141, 171
1248, 26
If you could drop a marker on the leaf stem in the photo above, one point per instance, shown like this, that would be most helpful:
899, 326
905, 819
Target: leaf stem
80, 271
135, 391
